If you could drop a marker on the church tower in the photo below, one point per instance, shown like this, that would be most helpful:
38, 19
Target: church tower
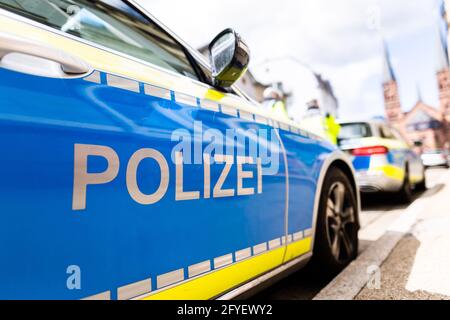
394, 113
443, 76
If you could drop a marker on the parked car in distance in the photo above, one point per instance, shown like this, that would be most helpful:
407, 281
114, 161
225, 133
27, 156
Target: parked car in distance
383, 160
435, 158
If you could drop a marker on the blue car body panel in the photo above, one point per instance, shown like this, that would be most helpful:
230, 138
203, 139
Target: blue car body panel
115, 240
305, 159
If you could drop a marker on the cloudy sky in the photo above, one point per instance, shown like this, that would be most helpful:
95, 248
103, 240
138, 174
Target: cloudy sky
340, 39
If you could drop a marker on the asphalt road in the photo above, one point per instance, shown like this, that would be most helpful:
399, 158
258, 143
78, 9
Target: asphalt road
378, 213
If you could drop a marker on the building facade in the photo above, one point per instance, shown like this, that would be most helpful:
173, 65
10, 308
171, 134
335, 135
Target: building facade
427, 124
328, 102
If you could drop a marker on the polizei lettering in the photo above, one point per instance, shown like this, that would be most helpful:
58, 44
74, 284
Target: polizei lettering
247, 175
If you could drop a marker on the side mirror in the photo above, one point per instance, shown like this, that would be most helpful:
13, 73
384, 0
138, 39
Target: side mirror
418, 143
229, 58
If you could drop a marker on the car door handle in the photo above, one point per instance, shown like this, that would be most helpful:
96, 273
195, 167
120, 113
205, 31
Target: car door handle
69, 64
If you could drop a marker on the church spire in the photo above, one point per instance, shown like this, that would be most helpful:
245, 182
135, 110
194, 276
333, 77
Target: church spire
442, 51
419, 95
388, 71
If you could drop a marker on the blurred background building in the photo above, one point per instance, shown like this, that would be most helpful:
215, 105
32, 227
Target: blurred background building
427, 124
313, 86
301, 83
326, 97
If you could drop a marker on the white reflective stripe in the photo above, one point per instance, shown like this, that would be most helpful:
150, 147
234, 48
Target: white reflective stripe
157, 92
274, 243
100, 296
243, 254
199, 268
122, 83
294, 130
284, 126
135, 289
209, 105
186, 99
223, 261
289, 239
275, 124
246, 115
260, 248
261, 119
308, 233
229, 110
169, 278
298, 236
93, 77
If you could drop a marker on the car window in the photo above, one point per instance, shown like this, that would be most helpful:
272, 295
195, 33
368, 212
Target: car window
354, 131
112, 24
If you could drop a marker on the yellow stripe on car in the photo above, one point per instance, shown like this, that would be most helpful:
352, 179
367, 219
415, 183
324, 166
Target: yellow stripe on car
215, 283
391, 171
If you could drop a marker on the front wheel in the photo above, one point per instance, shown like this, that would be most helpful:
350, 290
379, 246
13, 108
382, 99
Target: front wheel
422, 185
405, 193
336, 241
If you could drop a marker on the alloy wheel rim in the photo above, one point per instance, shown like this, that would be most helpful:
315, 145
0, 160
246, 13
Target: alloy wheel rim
340, 223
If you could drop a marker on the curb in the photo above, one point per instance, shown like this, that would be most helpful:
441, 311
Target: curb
349, 283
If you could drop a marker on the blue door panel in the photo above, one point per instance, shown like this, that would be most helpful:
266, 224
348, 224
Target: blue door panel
114, 241
305, 158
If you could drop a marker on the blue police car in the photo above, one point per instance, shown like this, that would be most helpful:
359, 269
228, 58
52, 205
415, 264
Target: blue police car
132, 168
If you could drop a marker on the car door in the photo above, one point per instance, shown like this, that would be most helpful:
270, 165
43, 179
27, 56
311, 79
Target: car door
110, 185
306, 157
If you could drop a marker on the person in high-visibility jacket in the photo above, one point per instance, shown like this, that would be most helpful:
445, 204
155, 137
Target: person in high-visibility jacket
314, 122
273, 102
332, 128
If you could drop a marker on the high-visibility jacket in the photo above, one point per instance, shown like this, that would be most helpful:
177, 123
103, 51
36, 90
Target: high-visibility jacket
332, 129
326, 128
314, 124
278, 109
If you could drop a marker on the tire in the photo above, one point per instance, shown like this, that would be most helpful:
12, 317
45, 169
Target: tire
422, 185
336, 240
405, 193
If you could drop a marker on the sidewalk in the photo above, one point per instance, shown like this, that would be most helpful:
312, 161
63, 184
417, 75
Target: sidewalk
419, 266
413, 255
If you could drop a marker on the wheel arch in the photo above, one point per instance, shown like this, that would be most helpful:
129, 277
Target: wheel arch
348, 171
339, 160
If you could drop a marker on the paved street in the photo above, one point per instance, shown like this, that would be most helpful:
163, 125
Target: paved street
418, 267
378, 214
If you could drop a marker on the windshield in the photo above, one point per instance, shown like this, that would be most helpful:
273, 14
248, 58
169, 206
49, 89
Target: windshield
354, 131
